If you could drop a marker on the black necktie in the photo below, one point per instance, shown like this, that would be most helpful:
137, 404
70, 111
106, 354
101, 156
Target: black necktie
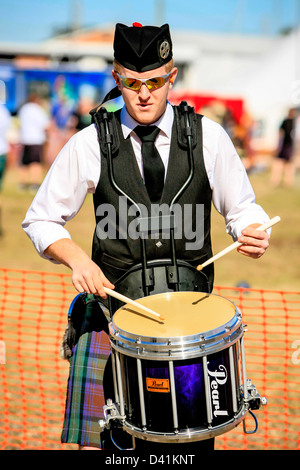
154, 170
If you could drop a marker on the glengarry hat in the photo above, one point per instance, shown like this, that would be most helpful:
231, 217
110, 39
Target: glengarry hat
139, 48
142, 48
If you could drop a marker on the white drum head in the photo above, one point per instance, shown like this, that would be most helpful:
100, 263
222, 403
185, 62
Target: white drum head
185, 314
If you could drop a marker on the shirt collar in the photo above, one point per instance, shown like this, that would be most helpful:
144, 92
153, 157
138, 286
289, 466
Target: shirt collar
165, 122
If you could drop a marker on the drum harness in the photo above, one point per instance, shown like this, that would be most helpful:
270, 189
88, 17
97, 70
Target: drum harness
109, 144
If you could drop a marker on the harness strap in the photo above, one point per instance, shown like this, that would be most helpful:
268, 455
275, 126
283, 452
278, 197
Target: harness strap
183, 132
112, 137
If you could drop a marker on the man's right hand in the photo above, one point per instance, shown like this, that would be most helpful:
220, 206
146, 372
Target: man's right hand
86, 275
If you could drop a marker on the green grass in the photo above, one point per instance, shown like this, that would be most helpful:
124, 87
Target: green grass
278, 269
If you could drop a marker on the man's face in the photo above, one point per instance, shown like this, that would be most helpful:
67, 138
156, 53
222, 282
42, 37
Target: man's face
143, 105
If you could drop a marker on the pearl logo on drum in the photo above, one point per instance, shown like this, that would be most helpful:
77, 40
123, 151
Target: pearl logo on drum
219, 379
158, 385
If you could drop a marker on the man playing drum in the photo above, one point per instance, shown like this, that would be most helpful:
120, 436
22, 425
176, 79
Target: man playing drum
144, 73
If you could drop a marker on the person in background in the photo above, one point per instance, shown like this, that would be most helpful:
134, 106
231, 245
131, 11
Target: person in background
5, 120
283, 165
34, 123
297, 140
81, 115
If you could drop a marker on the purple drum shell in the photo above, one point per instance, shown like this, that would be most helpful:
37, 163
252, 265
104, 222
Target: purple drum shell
190, 393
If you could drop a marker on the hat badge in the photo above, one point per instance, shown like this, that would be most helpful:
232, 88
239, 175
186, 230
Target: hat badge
164, 49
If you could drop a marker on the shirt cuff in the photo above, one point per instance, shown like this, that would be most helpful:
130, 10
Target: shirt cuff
257, 217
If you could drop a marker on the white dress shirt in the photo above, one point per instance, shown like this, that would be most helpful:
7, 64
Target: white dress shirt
33, 124
76, 172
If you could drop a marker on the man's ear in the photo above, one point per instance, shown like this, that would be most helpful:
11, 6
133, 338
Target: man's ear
173, 76
116, 78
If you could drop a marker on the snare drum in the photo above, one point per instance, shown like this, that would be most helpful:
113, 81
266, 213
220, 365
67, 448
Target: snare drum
179, 381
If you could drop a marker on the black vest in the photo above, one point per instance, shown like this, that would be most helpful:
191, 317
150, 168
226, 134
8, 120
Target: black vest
117, 254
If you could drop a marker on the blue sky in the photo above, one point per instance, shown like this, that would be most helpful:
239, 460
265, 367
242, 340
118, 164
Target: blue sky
35, 20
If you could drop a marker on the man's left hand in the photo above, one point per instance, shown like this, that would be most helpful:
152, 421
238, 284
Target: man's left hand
254, 242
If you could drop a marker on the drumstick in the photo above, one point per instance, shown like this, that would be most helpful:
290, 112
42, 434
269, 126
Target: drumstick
262, 228
127, 300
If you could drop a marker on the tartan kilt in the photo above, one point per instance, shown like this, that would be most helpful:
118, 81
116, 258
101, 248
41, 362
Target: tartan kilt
85, 392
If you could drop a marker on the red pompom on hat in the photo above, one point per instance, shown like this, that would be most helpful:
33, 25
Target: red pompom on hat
137, 25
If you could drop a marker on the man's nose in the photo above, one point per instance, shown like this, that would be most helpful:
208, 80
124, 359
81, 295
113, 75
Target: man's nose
144, 92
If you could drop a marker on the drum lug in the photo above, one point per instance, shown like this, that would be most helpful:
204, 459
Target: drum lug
254, 399
253, 402
202, 346
110, 412
170, 350
139, 349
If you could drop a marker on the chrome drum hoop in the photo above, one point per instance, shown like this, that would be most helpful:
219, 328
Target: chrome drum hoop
157, 348
189, 435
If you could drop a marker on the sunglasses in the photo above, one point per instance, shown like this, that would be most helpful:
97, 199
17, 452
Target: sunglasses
151, 83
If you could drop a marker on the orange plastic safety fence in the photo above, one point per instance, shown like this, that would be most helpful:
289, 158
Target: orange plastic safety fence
33, 317
272, 345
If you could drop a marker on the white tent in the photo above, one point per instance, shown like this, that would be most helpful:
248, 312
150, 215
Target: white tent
270, 86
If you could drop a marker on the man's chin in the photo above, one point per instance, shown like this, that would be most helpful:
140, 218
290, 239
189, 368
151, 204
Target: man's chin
146, 117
